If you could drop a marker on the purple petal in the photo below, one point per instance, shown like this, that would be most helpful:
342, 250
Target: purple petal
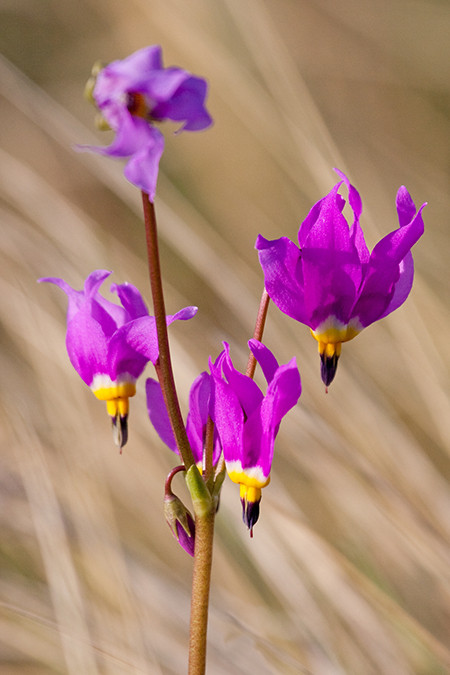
87, 344
262, 427
157, 412
142, 168
246, 390
131, 300
161, 86
137, 337
227, 416
123, 358
405, 206
331, 266
378, 296
140, 334
265, 358
403, 286
284, 390
186, 541
77, 298
199, 410
186, 103
125, 75
316, 211
356, 233
280, 260
354, 198
132, 134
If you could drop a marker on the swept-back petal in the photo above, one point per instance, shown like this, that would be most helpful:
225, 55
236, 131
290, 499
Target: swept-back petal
228, 417
280, 260
186, 103
161, 86
78, 298
265, 358
199, 409
142, 168
158, 414
139, 336
246, 390
126, 74
356, 233
403, 286
131, 299
262, 427
378, 295
87, 344
406, 208
284, 390
331, 265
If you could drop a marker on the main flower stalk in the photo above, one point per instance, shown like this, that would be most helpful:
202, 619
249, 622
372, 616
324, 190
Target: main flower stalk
164, 363
204, 509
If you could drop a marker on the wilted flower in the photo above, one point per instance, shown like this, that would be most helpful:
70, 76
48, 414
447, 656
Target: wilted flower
134, 94
332, 283
109, 344
196, 423
248, 421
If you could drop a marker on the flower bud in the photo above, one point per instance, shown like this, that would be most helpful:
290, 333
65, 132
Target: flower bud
180, 522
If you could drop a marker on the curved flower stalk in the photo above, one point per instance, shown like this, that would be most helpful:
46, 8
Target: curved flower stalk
109, 345
134, 94
248, 421
197, 419
332, 283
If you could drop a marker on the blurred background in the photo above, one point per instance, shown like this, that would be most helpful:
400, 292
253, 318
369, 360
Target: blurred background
348, 570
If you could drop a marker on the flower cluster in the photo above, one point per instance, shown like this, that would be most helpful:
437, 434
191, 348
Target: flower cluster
245, 421
331, 282
109, 345
136, 93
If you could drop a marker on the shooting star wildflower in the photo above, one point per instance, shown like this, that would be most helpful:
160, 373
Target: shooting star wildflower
109, 345
331, 282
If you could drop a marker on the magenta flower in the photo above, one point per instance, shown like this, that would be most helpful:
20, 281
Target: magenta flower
109, 345
199, 410
332, 283
134, 94
248, 421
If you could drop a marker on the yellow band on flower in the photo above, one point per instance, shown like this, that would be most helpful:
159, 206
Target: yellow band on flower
119, 390
248, 478
116, 394
118, 406
249, 494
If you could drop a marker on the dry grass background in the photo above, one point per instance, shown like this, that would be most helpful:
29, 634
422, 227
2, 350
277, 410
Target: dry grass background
348, 571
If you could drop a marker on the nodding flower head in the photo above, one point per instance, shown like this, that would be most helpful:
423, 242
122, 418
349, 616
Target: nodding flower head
331, 282
135, 94
108, 344
248, 421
